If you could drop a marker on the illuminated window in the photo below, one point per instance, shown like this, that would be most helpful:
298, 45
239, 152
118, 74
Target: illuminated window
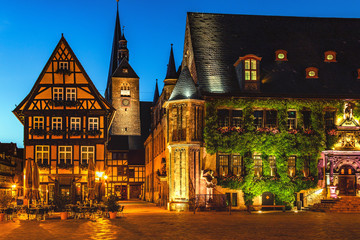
56, 123
330, 56
291, 123
311, 72
93, 123
291, 166
223, 165
87, 153
42, 154
65, 153
272, 163
38, 123
237, 165
250, 66
70, 94
64, 65
125, 70
75, 124
257, 165
58, 94
281, 55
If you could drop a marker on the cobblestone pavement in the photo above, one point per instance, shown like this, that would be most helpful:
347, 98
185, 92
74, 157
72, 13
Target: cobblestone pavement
146, 221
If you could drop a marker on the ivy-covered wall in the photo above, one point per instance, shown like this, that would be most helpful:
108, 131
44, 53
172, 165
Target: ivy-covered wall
279, 142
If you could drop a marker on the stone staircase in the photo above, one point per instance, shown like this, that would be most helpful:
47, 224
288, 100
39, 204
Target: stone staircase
345, 204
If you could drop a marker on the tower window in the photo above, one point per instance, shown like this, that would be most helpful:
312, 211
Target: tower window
125, 70
125, 90
330, 56
311, 72
281, 55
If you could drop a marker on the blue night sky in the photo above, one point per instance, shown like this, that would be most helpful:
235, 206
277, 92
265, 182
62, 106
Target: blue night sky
30, 30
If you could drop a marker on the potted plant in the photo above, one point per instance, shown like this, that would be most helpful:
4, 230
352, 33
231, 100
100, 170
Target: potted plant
113, 206
5, 200
60, 203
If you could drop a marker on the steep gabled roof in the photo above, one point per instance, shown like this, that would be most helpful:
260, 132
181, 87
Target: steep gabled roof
27, 100
185, 87
218, 40
120, 72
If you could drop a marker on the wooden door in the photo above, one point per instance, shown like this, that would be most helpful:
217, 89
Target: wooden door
267, 199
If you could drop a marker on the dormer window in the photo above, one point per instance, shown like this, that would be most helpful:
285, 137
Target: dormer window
311, 72
64, 65
247, 70
281, 55
330, 56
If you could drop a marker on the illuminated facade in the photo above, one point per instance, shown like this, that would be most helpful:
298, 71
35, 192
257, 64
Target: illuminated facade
262, 109
66, 123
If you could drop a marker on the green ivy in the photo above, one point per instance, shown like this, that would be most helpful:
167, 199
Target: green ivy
281, 143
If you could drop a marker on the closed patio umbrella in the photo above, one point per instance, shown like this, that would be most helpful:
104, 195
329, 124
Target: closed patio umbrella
91, 179
35, 182
28, 180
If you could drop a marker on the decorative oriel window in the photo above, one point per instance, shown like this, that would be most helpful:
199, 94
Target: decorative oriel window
311, 72
281, 55
65, 153
56, 123
75, 124
70, 94
42, 154
87, 153
58, 94
330, 56
38, 123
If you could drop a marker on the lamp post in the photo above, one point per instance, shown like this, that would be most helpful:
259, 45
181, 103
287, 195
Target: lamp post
100, 178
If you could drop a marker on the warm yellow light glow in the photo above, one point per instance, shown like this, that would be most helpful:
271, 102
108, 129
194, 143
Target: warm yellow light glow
296, 211
99, 174
13, 186
330, 57
311, 73
281, 56
105, 177
319, 191
259, 211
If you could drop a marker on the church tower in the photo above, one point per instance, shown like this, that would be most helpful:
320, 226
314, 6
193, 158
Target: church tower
122, 89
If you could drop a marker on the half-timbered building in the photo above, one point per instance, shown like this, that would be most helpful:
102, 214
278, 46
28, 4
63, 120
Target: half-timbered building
66, 123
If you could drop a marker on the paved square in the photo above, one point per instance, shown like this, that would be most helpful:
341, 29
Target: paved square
145, 221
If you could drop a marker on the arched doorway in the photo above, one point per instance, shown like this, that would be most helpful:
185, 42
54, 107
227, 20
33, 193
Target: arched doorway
347, 181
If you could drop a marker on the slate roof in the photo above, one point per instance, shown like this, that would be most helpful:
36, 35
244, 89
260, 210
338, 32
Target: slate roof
185, 87
218, 40
120, 73
171, 69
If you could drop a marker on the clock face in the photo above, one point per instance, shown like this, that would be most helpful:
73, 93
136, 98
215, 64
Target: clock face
125, 102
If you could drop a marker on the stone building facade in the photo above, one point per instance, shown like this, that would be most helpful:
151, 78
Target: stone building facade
257, 113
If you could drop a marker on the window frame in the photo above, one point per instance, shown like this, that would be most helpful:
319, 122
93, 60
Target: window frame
64, 65
237, 169
292, 167
94, 123
328, 119
258, 168
280, 51
291, 121
55, 123
42, 152
328, 53
65, 150
272, 164
87, 151
38, 122
75, 123
224, 169
70, 94
57, 92
272, 118
309, 71
258, 120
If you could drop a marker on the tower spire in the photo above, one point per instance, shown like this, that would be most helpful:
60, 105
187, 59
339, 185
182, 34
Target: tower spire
115, 45
156, 93
171, 70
